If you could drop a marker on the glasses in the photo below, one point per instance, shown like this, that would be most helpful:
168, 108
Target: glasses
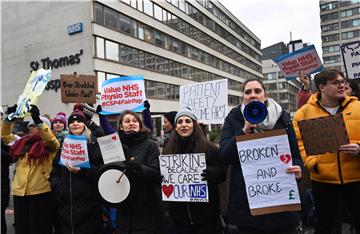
338, 82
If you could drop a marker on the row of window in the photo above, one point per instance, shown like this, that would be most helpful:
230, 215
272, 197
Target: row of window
210, 24
344, 36
344, 24
108, 17
344, 13
229, 22
160, 90
332, 5
178, 24
331, 59
106, 49
331, 49
332, 37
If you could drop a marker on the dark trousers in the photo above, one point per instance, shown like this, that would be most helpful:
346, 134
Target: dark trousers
33, 214
205, 228
326, 200
244, 230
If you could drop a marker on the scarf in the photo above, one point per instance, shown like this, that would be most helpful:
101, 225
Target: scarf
33, 145
132, 138
274, 113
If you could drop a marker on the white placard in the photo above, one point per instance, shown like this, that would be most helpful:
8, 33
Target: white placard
122, 93
182, 178
111, 148
74, 152
264, 162
351, 57
207, 100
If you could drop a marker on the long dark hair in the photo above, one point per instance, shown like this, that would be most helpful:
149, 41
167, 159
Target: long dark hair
197, 141
143, 129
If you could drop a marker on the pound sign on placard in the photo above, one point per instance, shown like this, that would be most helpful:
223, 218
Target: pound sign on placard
291, 195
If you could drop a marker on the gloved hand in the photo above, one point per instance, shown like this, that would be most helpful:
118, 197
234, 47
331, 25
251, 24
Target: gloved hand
89, 111
98, 109
133, 166
209, 174
35, 114
11, 110
146, 104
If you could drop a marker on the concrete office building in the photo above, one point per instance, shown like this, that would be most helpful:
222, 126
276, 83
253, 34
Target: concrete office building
282, 90
340, 24
171, 43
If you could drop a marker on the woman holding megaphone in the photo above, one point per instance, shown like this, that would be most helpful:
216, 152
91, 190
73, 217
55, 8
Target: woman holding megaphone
257, 113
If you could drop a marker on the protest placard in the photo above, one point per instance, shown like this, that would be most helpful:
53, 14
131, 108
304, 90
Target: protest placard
78, 88
207, 100
304, 61
324, 134
351, 57
122, 93
111, 148
33, 89
264, 158
74, 152
182, 178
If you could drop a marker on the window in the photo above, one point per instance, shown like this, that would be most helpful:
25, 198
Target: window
100, 47
330, 16
271, 76
149, 61
148, 7
140, 32
329, 6
333, 37
349, 35
350, 23
112, 50
111, 18
149, 35
141, 59
159, 38
158, 12
330, 27
330, 49
346, 13
101, 79
140, 5
125, 24
126, 54
331, 59
99, 14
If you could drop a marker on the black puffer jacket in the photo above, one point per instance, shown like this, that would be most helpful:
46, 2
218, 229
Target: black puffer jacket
79, 209
238, 207
192, 213
5, 181
141, 210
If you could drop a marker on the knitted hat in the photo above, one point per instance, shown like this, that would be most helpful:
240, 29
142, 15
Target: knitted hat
61, 117
44, 119
171, 117
77, 115
185, 112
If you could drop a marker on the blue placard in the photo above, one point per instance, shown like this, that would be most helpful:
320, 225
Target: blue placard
75, 28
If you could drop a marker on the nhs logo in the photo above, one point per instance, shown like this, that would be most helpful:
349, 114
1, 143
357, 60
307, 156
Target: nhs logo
75, 28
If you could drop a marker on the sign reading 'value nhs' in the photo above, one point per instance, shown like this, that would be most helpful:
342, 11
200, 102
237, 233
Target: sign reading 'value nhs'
75, 28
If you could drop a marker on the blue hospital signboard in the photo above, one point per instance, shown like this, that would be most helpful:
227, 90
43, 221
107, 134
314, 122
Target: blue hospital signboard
75, 28
182, 178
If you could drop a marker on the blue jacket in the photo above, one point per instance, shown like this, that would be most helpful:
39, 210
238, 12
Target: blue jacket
238, 207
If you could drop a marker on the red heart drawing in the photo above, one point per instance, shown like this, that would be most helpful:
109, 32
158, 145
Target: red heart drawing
167, 189
114, 138
285, 158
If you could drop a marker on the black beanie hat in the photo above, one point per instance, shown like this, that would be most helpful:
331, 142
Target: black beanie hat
77, 115
171, 117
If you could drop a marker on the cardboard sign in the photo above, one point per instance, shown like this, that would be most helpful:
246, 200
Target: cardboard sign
207, 100
264, 158
182, 178
324, 134
111, 148
78, 88
351, 57
74, 152
303, 61
122, 93
33, 89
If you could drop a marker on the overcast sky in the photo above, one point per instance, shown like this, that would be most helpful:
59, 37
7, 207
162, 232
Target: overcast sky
273, 20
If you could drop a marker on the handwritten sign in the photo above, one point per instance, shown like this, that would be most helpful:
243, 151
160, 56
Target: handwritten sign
122, 93
111, 148
33, 89
303, 61
182, 178
351, 57
74, 152
207, 100
264, 158
78, 88
324, 134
